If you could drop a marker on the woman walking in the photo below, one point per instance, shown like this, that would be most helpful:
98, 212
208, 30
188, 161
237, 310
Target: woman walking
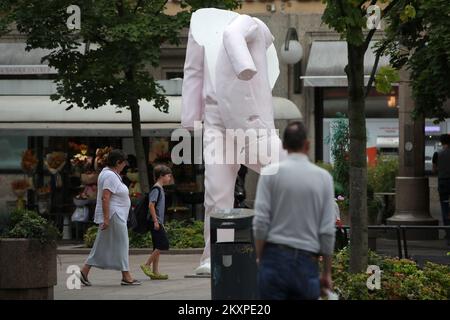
110, 250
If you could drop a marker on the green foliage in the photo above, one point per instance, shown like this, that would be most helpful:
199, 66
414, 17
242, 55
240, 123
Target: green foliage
381, 177
347, 18
339, 143
400, 279
339, 189
188, 234
417, 38
409, 12
30, 225
89, 236
185, 234
384, 79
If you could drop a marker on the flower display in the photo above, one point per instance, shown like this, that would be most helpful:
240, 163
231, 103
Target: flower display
29, 161
80, 160
42, 191
55, 161
101, 155
89, 177
20, 184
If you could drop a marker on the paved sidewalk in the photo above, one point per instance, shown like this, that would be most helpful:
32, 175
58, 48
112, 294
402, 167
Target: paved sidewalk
106, 284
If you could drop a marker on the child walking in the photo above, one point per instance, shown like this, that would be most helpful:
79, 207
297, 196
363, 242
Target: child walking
163, 176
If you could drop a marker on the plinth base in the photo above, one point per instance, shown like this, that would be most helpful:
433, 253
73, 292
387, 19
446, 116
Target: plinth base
412, 208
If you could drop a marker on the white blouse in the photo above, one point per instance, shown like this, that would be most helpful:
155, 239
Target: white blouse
120, 200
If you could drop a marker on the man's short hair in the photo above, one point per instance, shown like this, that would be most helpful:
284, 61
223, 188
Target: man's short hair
161, 170
294, 136
445, 139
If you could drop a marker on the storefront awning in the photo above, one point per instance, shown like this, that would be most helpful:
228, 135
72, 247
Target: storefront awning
14, 60
327, 60
39, 116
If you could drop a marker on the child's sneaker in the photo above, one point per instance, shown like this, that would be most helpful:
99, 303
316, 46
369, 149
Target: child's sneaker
146, 270
158, 276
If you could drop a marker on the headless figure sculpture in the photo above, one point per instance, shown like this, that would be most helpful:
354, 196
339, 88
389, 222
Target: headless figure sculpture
230, 69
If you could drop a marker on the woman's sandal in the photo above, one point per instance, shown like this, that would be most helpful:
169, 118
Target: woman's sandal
128, 283
84, 280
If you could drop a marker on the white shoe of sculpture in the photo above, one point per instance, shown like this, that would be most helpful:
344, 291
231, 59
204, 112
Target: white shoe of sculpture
204, 268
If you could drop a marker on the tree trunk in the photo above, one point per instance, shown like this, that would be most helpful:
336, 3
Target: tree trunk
358, 160
139, 148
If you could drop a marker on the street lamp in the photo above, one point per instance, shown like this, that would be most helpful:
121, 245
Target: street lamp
291, 53
292, 50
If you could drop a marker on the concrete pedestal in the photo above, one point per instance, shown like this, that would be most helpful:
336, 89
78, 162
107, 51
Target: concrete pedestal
28, 269
412, 207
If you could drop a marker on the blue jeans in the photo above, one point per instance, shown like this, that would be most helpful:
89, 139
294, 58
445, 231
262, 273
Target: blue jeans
287, 274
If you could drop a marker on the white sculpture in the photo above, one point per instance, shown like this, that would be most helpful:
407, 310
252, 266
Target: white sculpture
230, 69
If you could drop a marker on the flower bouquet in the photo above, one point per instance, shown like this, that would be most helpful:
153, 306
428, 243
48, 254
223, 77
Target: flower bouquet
101, 154
43, 194
81, 213
80, 161
44, 191
81, 200
91, 191
19, 188
88, 178
29, 162
55, 162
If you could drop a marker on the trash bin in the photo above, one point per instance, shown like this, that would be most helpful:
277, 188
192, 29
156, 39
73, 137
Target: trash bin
233, 255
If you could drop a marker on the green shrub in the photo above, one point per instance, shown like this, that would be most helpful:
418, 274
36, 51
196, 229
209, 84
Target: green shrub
187, 234
181, 235
400, 279
381, 178
89, 236
30, 225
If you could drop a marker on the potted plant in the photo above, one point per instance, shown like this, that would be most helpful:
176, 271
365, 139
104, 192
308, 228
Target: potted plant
27, 256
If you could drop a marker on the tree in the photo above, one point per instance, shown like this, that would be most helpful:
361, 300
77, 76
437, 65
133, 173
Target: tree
349, 18
108, 59
418, 38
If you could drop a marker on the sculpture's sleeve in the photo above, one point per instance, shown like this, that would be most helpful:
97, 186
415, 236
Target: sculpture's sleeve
236, 37
192, 104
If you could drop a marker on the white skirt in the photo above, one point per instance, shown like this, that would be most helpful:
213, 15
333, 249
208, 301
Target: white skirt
110, 250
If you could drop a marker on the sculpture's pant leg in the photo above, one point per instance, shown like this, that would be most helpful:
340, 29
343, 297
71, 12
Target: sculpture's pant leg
220, 177
219, 194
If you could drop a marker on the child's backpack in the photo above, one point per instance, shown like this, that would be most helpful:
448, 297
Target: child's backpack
141, 214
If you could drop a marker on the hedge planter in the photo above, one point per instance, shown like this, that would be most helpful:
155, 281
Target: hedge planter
28, 269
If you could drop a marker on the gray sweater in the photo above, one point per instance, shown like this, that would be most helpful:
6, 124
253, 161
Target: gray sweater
295, 206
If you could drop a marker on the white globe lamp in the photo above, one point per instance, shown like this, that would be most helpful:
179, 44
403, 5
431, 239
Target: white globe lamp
292, 50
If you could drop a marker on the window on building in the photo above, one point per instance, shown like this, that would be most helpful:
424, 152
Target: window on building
174, 74
12, 148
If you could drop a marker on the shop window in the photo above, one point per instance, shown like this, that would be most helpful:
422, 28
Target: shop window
12, 148
174, 75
